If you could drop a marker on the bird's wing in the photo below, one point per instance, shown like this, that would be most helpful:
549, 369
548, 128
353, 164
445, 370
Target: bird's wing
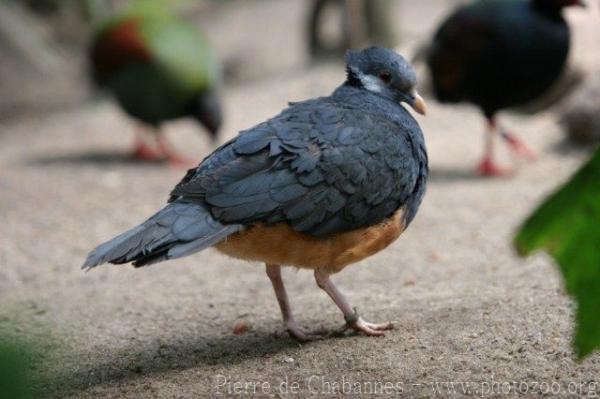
319, 167
463, 39
182, 53
154, 36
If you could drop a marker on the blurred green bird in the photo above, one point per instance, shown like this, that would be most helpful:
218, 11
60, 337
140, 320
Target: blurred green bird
159, 68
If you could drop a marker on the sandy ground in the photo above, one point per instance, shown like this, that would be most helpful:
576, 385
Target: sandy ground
466, 309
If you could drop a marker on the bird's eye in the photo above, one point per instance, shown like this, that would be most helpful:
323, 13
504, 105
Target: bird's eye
386, 76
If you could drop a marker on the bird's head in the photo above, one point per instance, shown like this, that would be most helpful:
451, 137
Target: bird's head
207, 110
386, 73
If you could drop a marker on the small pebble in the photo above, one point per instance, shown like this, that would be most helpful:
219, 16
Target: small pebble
240, 328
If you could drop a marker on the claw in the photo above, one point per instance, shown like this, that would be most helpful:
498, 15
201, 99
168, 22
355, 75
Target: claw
300, 335
179, 162
370, 329
488, 168
174, 159
144, 152
359, 326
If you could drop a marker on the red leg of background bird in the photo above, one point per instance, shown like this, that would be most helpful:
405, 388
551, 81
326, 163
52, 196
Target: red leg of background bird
274, 273
353, 321
488, 167
142, 150
173, 157
519, 147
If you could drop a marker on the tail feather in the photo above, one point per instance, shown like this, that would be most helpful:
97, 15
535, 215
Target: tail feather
181, 250
179, 229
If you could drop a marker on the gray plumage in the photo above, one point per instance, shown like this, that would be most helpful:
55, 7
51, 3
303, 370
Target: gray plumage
324, 166
177, 230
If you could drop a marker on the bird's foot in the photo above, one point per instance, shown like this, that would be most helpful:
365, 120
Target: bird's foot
489, 168
370, 329
174, 159
300, 335
177, 161
519, 147
358, 324
145, 153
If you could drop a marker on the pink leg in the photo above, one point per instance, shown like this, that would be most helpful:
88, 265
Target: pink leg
142, 150
274, 273
166, 150
519, 147
488, 167
353, 321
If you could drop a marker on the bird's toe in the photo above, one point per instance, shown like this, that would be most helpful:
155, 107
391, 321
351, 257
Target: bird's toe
303, 336
487, 168
520, 148
370, 329
145, 153
180, 163
381, 326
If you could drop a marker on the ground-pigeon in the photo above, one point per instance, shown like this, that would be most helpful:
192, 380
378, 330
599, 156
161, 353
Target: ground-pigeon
498, 54
159, 68
327, 182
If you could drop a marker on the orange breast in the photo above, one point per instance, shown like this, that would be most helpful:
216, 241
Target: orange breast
281, 245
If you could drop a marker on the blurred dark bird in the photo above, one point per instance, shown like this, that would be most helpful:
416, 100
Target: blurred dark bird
358, 22
499, 54
324, 184
159, 68
581, 118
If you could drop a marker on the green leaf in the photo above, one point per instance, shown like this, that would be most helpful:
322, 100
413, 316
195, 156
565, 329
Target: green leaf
567, 226
13, 374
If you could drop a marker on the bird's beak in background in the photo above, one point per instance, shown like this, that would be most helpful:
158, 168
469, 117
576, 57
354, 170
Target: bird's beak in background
418, 104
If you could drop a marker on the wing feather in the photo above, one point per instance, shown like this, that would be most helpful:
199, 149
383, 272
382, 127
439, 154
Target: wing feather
321, 168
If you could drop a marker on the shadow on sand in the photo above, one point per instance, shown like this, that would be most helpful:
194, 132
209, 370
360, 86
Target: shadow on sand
451, 175
567, 147
107, 157
159, 356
